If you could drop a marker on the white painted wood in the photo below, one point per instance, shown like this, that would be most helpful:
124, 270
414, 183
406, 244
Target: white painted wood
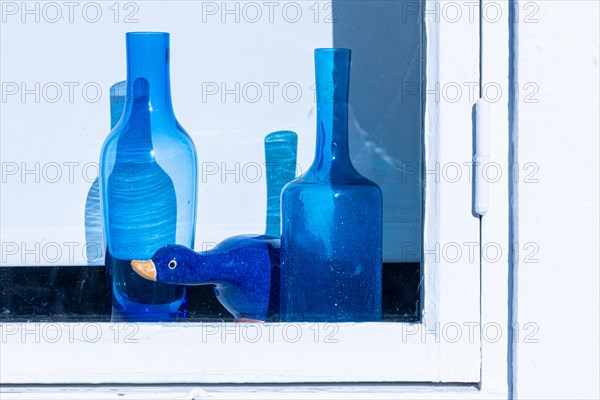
228, 353
370, 392
555, 203
451, 270
151, 393
495, 224
445, 348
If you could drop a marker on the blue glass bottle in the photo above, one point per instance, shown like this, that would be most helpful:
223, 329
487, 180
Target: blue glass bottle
148, 182
331, 242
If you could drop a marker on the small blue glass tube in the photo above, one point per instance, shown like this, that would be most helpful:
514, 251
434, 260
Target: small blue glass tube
280, 161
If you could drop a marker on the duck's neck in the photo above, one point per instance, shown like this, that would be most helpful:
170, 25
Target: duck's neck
206, 267
230, 262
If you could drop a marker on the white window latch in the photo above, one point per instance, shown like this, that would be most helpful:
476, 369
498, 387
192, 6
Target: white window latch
481, 157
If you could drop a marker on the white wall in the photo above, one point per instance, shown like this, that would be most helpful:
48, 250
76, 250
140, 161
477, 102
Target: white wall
557, 50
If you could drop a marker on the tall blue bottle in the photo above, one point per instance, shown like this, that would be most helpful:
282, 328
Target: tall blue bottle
331, 242
148, 182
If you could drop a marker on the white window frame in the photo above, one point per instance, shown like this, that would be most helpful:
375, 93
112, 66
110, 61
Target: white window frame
364, 352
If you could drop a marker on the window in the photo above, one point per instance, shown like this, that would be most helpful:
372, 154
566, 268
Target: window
55, 118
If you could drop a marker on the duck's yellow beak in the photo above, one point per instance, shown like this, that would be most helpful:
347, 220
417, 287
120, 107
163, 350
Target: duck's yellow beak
145, 268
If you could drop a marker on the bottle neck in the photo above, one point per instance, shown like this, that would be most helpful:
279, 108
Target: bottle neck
332, 84
148, 59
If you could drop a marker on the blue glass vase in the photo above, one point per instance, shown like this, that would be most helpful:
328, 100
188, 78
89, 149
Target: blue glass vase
148, 182
331, 241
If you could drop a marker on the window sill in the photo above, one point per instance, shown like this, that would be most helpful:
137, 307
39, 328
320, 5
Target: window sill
185, 392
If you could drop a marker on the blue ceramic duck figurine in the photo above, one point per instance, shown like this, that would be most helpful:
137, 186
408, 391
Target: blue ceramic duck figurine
244, 270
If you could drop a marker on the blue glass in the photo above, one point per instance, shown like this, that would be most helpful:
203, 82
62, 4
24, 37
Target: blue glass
244, 270
280, 160
331, 240
118, 94
148, 184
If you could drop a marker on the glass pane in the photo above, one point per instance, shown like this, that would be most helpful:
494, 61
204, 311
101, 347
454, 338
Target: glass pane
239, 72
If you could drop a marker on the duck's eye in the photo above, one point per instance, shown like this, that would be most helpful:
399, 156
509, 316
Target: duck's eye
172, 264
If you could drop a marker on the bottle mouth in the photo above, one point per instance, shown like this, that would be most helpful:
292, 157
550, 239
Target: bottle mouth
150, 41
135, 34
333, 50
